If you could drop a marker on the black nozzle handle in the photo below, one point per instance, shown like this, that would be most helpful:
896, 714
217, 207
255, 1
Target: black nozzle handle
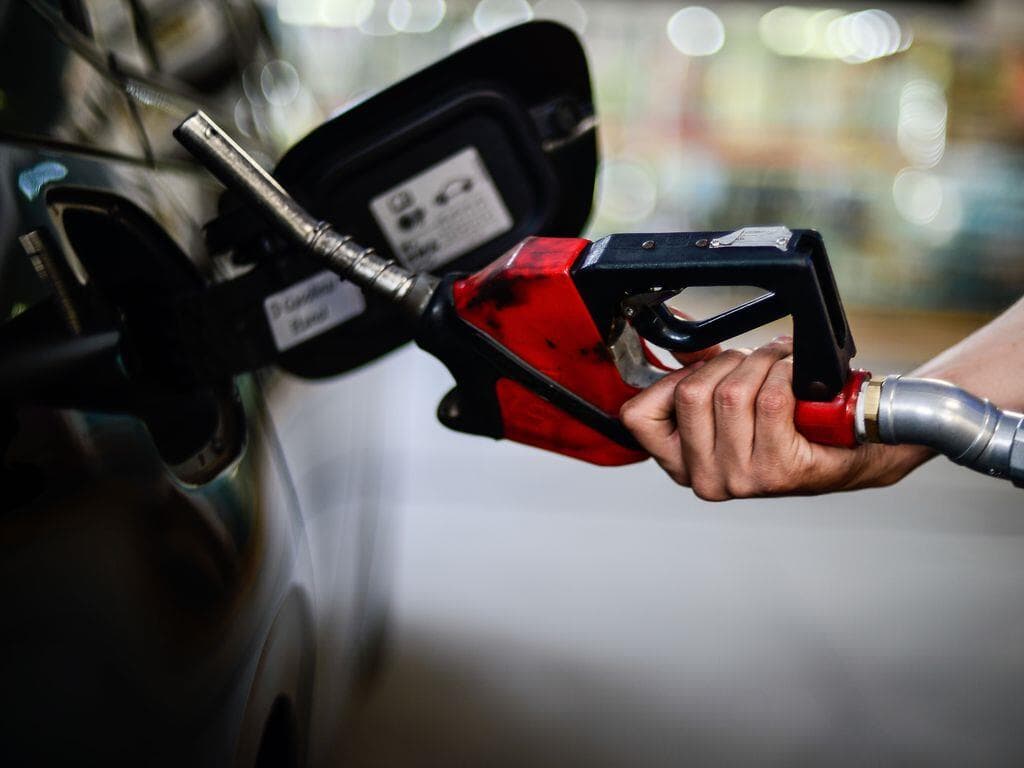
631, 275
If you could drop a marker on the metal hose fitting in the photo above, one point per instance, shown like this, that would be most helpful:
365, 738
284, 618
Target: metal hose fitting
240, 173
969, 430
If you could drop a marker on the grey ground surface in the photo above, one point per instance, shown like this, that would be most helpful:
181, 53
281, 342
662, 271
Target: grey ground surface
545, 612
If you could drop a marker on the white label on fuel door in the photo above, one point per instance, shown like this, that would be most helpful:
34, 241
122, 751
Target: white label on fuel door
443, 212
310, 307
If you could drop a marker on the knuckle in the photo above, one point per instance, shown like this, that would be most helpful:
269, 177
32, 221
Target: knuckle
740, 489
691, 394
731, 395
775, 400
783, 369
776, 348
735, 355
709, 490
630, 415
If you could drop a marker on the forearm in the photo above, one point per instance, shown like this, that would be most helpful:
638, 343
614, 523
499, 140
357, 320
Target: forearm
988, 363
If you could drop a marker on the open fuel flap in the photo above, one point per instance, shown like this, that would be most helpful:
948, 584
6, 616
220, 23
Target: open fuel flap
443, 171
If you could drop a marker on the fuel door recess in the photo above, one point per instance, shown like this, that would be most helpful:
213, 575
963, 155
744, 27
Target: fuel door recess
109, 339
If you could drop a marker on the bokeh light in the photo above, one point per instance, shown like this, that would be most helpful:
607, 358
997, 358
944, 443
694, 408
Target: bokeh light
376, 22
829, 33
327, 13
864, 36
784, 30
279, 82
931, 202
416, 16
921, 124
493, 15
627, 191
917, 195
696, 31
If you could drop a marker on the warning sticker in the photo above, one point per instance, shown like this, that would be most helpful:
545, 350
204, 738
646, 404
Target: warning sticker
443, 212
310, 307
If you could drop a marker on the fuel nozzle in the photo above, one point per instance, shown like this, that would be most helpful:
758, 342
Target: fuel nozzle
504, 380
372, 272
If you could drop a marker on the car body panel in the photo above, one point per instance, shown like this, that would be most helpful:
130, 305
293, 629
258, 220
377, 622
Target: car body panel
148, 620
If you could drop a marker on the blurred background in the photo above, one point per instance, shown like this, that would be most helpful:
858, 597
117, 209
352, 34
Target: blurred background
895, 131
547, 612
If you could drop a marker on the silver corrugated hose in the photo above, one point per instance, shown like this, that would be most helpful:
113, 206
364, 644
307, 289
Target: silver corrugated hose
969, 430
239, 172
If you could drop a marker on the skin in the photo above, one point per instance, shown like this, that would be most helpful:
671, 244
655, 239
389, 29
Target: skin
723, 423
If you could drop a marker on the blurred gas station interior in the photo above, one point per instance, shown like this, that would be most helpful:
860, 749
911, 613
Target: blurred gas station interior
615, 605
895, 131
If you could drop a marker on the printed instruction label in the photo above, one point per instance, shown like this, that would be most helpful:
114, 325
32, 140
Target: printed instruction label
443, 212
310, 307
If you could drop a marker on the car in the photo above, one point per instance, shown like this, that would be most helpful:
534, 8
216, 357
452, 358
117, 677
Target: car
160, 596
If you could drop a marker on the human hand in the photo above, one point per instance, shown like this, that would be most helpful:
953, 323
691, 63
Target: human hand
723, 426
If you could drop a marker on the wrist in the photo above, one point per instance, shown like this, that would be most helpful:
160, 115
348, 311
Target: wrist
881, 465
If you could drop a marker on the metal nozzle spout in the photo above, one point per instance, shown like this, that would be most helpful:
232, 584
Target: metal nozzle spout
375, 274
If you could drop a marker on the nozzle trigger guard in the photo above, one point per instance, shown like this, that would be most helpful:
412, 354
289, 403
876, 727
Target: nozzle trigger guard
660, 326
